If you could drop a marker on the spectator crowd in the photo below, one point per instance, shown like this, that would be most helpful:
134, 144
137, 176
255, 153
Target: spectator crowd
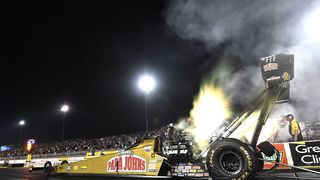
81, 145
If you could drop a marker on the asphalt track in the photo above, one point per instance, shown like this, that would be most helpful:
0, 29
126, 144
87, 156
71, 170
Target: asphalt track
23, 174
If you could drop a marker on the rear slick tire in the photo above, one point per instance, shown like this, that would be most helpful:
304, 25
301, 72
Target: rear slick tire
232, 159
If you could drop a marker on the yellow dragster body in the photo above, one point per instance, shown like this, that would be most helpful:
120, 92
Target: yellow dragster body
140, 159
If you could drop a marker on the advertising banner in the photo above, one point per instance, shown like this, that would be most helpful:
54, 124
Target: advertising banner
301, 154
305, 153
283, 157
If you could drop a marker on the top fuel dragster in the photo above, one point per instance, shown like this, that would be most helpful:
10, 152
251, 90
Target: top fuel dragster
225, 157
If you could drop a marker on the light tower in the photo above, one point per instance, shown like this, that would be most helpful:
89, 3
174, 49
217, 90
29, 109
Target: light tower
146, 84
64, 109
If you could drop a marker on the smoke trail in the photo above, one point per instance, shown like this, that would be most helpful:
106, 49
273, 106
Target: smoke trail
253, 27
249, 30
304, 91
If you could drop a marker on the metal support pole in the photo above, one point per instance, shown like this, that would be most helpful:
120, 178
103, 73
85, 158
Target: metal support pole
269, 100
63, 119
146, 109
20, 134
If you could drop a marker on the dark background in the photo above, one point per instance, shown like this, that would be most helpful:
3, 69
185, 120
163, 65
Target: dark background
90, 54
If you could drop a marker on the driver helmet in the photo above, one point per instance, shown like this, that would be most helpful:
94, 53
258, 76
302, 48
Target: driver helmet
290, 117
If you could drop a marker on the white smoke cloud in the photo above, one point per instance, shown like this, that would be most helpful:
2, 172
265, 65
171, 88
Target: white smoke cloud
306, 84
252, 26
252, 29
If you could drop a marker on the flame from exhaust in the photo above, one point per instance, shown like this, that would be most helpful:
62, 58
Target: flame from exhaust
269, 131
210, 111
245, 131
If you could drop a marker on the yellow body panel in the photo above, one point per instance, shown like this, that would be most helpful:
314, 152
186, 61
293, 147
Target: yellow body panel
29, 157
138, 160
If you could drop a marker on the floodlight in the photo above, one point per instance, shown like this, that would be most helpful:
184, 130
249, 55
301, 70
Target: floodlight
22, 122
146, 83
64, 108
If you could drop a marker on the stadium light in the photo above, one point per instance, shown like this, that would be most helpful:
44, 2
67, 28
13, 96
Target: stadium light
64, 108
146, 84
21, 123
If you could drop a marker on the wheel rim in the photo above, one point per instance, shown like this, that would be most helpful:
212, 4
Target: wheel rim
231, 162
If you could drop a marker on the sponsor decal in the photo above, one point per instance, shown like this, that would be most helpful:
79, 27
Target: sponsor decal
127, 152
152, 166
270, 67
195, 167
306, 154
83, 167
198, 174
273, 157
200, 170
273, 78
185, 170
286, 76
181, 174
75, 168
126, 163
284, 84
269, 58
147, 148
283, 157
269, 165
248, 157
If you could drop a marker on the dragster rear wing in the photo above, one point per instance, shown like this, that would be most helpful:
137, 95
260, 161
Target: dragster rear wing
278, 70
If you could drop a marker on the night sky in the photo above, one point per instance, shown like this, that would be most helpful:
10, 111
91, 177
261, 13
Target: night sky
90, 55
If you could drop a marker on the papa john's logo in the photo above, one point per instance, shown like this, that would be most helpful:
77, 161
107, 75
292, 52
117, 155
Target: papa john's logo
126, 163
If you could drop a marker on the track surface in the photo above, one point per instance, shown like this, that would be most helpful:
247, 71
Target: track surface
23, 174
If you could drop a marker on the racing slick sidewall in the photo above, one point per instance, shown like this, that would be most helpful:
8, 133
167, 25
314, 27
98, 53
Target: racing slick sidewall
232, 159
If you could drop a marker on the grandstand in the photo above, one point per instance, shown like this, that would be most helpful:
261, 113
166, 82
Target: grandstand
81, 146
